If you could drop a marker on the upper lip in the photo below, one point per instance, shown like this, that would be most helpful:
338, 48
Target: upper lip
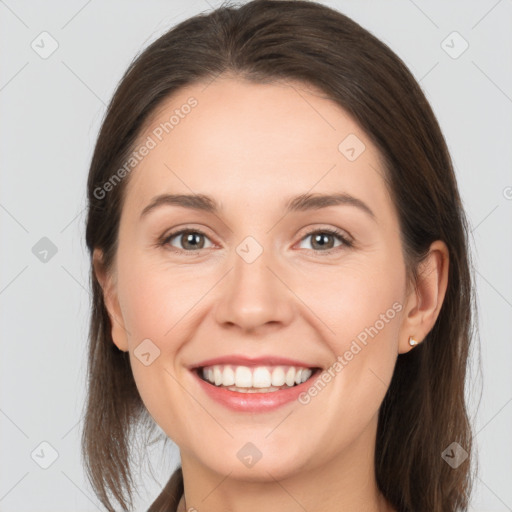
240, 360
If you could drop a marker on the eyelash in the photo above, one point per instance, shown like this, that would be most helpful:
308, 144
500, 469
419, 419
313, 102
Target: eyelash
334, 232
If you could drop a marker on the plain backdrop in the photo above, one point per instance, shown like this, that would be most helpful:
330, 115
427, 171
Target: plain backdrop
51, 110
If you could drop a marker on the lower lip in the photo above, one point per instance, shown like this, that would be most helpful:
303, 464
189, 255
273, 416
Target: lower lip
254, 402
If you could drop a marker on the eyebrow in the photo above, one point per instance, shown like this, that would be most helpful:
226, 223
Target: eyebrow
300, 203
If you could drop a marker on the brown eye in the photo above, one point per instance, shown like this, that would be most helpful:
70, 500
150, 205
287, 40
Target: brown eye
323, 240
188, 240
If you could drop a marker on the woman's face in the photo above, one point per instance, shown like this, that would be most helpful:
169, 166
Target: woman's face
259, 278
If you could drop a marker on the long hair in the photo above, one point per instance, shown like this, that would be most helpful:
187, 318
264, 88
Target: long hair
424, 410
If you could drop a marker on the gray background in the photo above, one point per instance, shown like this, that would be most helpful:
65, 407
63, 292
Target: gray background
51, 111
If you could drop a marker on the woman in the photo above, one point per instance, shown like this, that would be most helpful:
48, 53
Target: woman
280, 273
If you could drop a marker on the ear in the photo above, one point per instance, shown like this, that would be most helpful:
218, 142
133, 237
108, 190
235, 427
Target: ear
426, 298
110, 298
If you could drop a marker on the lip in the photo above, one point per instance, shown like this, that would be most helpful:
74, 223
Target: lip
241, 360
253, 402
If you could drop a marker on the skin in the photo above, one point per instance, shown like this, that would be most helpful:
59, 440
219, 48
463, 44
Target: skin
251, 147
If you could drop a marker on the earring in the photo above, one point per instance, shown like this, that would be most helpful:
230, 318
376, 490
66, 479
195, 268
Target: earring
412, 341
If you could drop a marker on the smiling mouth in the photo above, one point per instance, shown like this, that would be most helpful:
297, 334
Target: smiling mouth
243, 379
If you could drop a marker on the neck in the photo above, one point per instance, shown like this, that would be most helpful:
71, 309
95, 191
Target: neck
346, 482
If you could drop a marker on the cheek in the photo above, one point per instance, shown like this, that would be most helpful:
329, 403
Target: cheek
154, 304
354, 297
155, 301
362, 309
360, 305
369, 308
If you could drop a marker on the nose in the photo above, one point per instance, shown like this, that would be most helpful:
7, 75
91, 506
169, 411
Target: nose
255, 295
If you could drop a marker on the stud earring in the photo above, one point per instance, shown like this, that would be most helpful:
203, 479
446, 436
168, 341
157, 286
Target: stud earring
412, 341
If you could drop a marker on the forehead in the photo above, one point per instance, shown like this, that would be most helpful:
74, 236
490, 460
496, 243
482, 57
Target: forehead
240, 142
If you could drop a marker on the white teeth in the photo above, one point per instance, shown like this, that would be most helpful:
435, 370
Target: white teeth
228, 376
243, 377
262, 377
305, 374
278, 376
290, 377
217, 375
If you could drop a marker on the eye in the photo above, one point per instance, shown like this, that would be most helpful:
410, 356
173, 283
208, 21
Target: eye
190, 240
321, 238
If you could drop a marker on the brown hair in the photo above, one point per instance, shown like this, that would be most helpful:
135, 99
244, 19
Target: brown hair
424, 410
